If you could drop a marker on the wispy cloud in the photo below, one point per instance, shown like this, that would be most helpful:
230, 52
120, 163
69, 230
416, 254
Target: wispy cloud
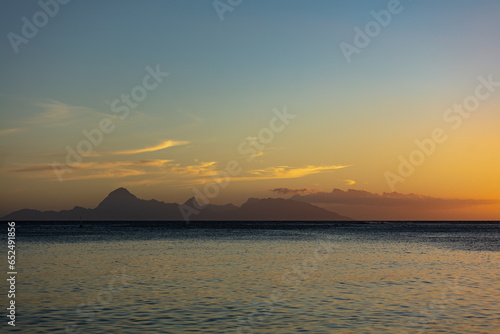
106, 174
191, 116
175, 173
55, 110
350, 182
286, 172
137, 163
144, 182
201, 169
279, 172
57, 113
94, 170
10, 131
148, 171
94, 165
160, 146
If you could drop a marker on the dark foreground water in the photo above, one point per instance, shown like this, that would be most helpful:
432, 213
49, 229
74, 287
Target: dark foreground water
347, 278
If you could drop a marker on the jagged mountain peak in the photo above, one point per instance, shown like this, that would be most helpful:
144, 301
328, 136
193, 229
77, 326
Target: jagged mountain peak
192, 201
121, 192
118, 197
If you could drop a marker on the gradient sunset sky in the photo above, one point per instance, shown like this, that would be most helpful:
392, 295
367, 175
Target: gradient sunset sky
227, 80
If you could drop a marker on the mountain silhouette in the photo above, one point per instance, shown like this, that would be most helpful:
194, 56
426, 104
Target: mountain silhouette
120, 204
284, 209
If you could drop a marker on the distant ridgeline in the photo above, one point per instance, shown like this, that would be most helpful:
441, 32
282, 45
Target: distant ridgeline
120, 204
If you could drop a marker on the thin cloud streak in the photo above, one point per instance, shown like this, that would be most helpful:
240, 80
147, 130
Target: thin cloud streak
106, 174
10, 131
61, 114
153, 171
286, 172
94, 165
161, 146
94, 170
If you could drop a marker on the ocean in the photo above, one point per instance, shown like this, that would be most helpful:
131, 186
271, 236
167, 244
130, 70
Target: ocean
138, 277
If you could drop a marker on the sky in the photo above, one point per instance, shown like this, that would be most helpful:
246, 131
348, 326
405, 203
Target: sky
235, 99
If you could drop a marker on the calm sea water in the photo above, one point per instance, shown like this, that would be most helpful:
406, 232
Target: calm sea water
356, 278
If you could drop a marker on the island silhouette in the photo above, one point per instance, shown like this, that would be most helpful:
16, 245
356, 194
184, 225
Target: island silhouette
122, 205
